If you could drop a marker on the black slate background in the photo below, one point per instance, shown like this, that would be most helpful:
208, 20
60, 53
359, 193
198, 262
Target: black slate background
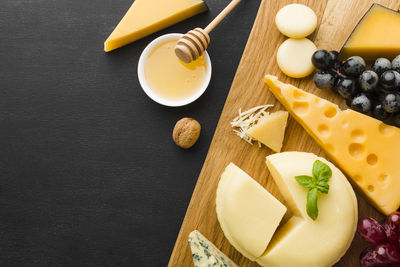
89, 175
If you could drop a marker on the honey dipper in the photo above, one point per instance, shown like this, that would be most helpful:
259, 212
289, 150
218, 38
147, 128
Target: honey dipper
195, 42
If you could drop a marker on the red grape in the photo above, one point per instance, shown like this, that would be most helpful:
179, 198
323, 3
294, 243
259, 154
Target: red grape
371, 231
392, 228
380, 256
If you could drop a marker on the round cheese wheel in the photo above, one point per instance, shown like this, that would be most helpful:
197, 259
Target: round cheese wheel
294, 57
296, 20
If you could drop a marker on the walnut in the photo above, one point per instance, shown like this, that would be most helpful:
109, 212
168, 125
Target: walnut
186, 132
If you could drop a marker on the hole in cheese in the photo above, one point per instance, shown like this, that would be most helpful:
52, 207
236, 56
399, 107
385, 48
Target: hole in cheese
383, 177
358, 178
323, 129
300, 107
300, 95
372, 159
356, 150
358, 135
371, 188
386, 129
330, 112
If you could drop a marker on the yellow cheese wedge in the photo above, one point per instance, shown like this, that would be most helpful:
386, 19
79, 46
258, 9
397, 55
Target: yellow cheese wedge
366, 149
145, 17
248, 214
302, 242
270, 130
376, 35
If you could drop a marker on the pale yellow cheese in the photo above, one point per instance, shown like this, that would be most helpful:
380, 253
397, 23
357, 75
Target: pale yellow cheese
270, 130
248, 214
294, 57
366, 149
296, 20
376, 35
145, 17
302, 242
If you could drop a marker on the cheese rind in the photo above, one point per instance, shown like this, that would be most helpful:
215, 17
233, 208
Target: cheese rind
206, 254
377, 34
270, 130
145, 17
302, 242
248, 214
366, 149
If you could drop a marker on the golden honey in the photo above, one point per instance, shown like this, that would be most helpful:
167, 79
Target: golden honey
171, 78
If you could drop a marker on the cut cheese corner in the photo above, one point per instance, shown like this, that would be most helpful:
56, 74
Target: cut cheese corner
205, 253
270, 130
366, 149
248, 214
145, 17
369, 41
302, 242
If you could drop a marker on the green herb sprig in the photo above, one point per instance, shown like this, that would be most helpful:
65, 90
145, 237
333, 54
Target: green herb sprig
317, 183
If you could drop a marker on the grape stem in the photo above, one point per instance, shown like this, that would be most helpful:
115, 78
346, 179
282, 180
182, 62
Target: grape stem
338, 73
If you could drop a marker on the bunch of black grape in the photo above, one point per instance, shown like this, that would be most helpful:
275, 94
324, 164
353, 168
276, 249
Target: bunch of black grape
374, 92
385, 241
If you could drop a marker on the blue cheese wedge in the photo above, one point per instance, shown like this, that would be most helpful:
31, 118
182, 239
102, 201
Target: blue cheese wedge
205, 254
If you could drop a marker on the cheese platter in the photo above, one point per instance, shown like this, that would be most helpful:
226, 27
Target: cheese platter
314, 131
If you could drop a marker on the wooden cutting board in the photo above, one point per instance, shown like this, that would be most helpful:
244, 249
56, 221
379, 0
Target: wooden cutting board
337, 19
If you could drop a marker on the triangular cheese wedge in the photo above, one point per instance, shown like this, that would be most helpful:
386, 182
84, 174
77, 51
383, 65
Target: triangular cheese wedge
145, 17
270, 130
376, 35
248, 214
205, 253
366, 149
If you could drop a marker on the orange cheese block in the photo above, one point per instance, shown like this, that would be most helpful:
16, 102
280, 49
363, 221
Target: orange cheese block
145, 17
377, 34
366, 149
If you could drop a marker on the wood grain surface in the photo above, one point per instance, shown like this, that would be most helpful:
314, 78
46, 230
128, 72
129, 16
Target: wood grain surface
337, 19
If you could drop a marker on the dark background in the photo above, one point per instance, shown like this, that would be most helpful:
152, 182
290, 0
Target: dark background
89, 174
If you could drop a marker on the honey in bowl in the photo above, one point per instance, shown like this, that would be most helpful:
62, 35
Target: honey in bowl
171, 78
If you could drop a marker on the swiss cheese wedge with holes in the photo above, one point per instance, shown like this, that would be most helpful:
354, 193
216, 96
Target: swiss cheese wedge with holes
366, 149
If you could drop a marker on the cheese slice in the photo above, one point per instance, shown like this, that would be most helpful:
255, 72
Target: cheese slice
248, 214
302, 242
205, 254
270, 130
366, 149
145, 17
376, 35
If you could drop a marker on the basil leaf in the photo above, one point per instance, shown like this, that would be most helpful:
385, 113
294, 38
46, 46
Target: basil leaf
312, 208
305, 181
321, 171
323, 187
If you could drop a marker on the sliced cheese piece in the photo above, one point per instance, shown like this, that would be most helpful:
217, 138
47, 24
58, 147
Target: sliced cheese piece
248, 214
294, 57
205, 254
145, 17
366, 149
296, 20
270, 130
377, 34
302, 242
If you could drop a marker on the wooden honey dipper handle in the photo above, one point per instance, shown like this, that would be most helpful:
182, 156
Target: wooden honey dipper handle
195, 42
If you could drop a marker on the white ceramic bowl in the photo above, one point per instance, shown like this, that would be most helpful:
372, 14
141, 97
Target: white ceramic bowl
147, 88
